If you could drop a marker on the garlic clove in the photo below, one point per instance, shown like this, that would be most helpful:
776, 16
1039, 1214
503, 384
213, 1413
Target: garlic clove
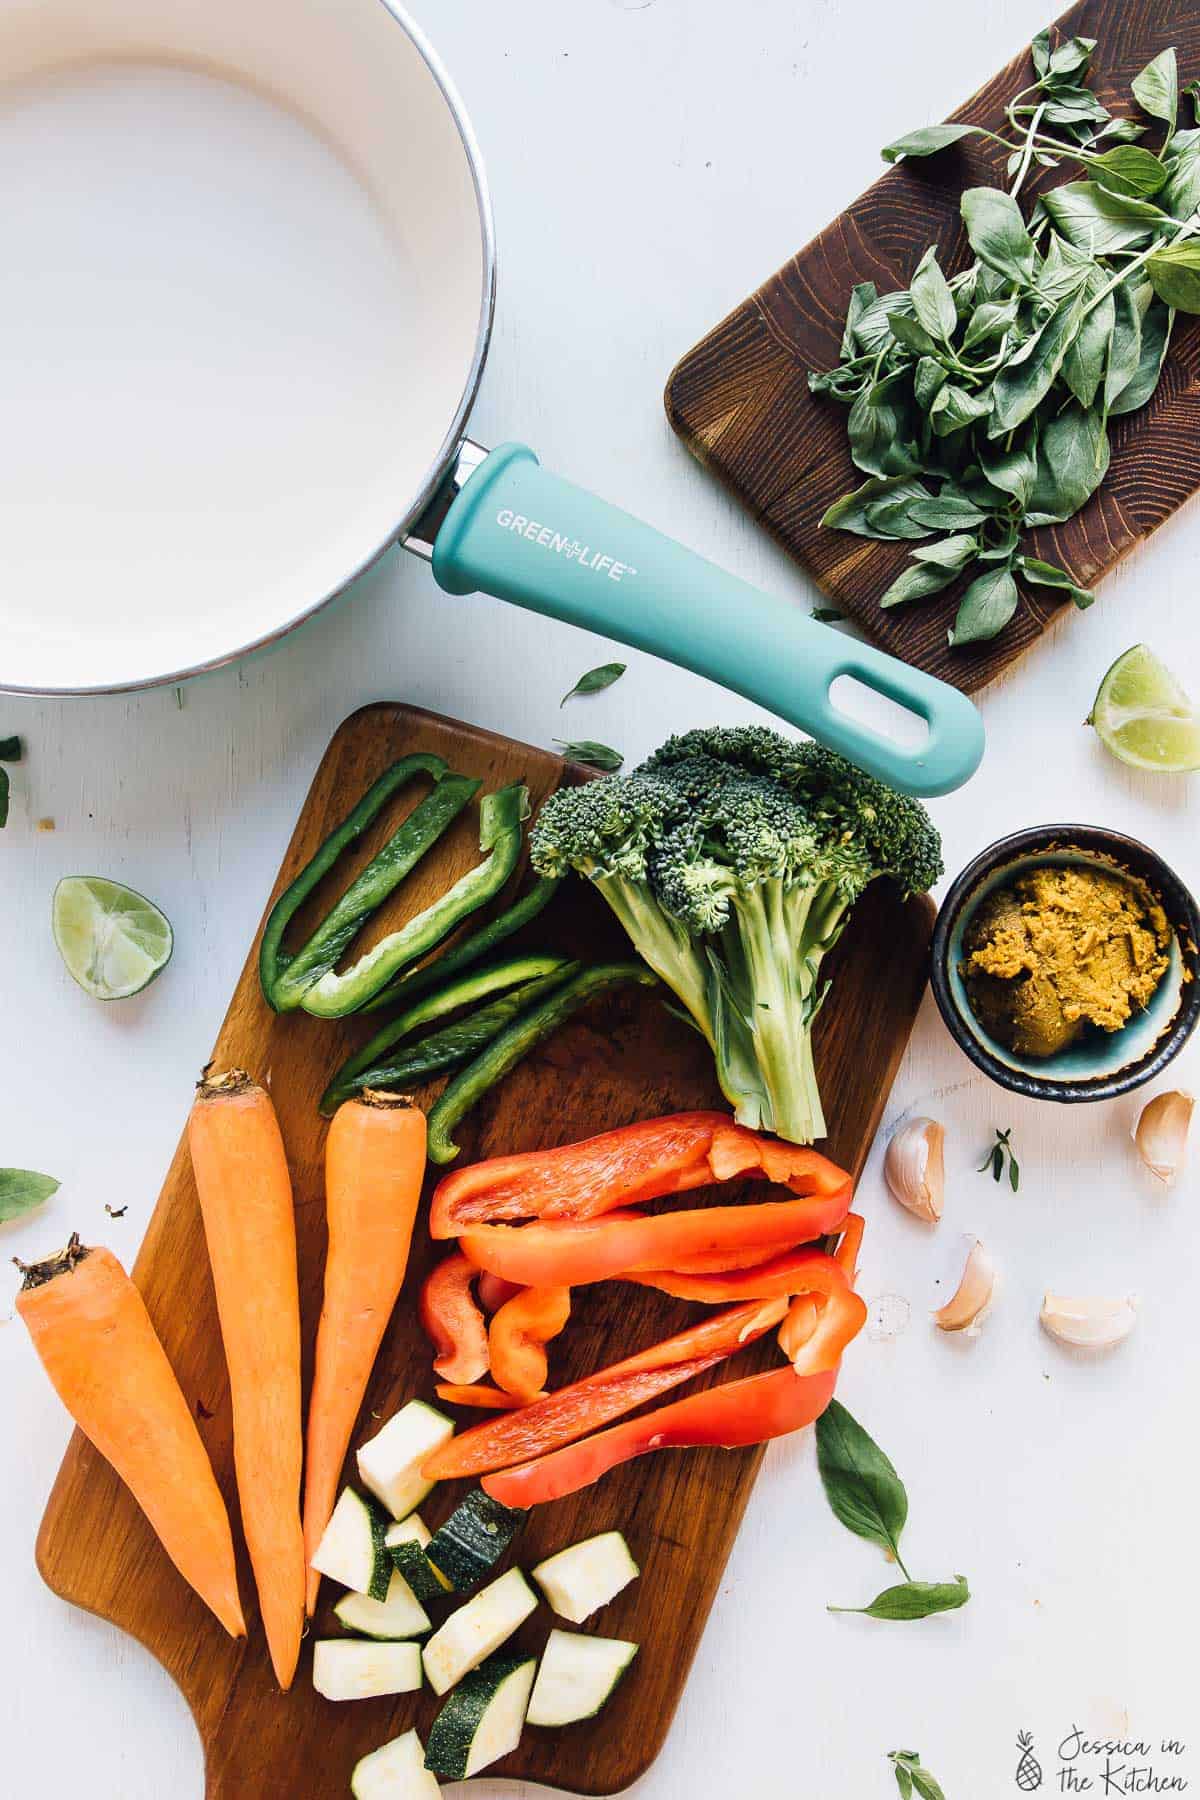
914, 1170
1161, 1133
972, 1298
1095, 1323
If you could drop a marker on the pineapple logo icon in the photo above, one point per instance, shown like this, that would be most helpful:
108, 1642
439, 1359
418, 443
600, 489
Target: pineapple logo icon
1029, 1769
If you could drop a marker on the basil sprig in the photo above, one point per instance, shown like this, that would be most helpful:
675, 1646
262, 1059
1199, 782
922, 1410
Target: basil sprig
912, 1778
867, 1495
979, 403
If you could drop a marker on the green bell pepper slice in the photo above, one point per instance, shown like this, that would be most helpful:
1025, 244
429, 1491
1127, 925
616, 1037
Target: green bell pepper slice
525, 1033
468, 950
449, 1048
287, 975
501, 818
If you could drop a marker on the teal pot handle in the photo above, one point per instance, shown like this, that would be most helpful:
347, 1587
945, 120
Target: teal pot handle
525, 535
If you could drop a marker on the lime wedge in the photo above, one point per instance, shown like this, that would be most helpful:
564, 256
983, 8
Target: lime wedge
113, 941
1144, 717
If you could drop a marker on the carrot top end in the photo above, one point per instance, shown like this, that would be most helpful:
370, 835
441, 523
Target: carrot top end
35, 1275
229, 1082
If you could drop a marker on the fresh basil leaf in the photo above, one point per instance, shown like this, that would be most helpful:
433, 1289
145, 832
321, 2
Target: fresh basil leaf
1073, 454
932, 300
929, 377
1100, 222
1174, 273
860, 1483
914, 1600
926, 1786
1156, 337
826, 615
986, 607
21, 1190
997, 233
1125, 346
988, 321
880, 429
1122, 131
912, 334
1028, 376
916, 582
904, 1780
872, 331
927, 140
1156, 89
955, 408
595, 680
850, 512
1180, 196
1087, 357
1040, 52
1191, 91
953, 553
1070, 59
862, 298
1010, 468
1049, 575
1129, 170
10, 749
1069, 106
892, 519
596, 756
948, 512
1064, 271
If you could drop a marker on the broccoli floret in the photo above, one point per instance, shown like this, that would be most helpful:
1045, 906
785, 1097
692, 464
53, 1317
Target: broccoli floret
732, 858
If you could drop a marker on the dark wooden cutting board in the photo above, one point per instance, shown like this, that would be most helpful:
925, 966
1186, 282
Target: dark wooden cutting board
623, 1060
740, 399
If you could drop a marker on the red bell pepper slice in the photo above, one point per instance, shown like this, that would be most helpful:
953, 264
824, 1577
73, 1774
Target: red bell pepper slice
518, 1335
573, 1411
493, 1292
735, 1414
453, 1322
847, 1251
621, 1168
568, 1255
811, 1350
801, 1271
490, 1399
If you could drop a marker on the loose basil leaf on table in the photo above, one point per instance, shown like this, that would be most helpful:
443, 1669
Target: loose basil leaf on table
860, 1481
595, 680
21, 1190
913, 1600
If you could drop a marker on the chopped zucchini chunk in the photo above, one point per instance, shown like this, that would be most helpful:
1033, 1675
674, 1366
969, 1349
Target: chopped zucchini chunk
483, 1718
585, 1576
406, 1543
398, 1615
389, 1464
577, 1675
352, 1549
395, 1771
347, 1669
473, 1539
477, 1629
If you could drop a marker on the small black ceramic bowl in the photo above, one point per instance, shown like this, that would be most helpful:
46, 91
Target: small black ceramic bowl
1102, 1064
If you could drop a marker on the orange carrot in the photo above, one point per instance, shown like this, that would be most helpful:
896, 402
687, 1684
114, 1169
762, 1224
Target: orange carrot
246, 1201
476, 1393
374, 1162
90, 1328
518, 1335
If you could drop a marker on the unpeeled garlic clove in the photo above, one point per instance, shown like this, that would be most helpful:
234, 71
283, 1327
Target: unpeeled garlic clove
913, 1167
968, 1308
1161, 1133
1095, 1323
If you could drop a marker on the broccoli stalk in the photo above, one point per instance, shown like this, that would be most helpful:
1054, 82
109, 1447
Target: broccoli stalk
732, 859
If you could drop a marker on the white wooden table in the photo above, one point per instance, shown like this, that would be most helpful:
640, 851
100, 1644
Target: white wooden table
651, 160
